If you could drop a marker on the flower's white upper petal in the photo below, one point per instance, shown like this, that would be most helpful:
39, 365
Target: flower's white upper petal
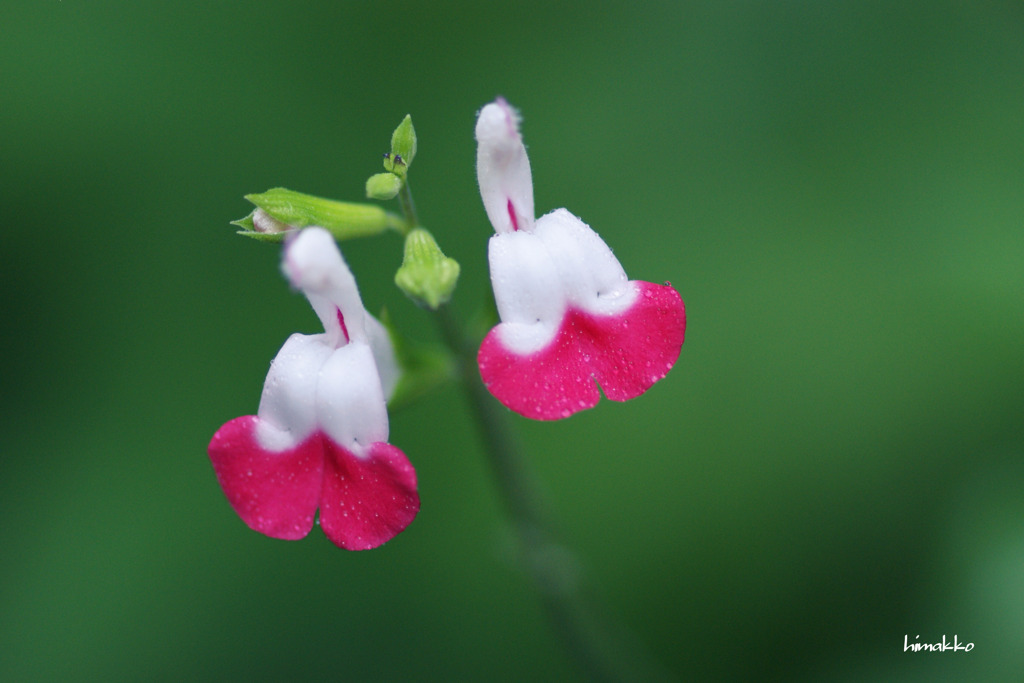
328, 381
287, 409
503, 169
313, 264
350, 404
527, 290
592, 279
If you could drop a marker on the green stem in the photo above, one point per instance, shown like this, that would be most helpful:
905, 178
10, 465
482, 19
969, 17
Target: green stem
408, 208
550, 566
397, 223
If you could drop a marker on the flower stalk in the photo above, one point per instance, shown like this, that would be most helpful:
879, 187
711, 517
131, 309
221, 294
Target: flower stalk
408, 207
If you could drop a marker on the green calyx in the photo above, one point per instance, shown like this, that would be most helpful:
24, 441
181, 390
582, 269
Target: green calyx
427, 276
280, 210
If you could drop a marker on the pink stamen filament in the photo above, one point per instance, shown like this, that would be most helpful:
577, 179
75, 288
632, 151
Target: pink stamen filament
512, 215
341, 321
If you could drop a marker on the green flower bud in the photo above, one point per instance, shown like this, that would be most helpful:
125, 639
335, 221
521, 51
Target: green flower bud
280, 210
427, 276
383, 186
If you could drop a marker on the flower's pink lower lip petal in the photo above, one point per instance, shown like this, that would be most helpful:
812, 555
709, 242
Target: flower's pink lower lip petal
275, 493
548, 384
367, 501
625, 353
631, 351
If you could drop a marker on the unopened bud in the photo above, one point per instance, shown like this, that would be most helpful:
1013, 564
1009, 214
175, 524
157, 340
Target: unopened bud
383, 186
427, 276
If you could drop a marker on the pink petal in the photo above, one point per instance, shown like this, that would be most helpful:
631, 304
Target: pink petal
367, 500
625, 353
275, 493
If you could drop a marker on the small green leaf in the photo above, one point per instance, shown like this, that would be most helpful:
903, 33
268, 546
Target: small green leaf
424, 367
427, 276
344, 220
403, 141
485, 318
383, 186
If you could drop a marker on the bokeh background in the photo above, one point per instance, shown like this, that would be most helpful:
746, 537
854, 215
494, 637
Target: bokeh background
835, 463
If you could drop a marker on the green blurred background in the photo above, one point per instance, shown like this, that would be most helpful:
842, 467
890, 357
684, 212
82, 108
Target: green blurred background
834, 463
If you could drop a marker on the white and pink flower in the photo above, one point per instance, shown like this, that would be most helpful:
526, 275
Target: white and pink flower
319, 438
570, 318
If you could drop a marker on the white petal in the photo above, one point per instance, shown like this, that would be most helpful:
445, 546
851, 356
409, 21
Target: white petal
349, 400
592, 279
527, 290
313, 264
264, 222
287, 409
503, 169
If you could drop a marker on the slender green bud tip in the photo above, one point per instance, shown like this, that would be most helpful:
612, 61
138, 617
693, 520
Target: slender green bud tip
403, 143
427, 276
